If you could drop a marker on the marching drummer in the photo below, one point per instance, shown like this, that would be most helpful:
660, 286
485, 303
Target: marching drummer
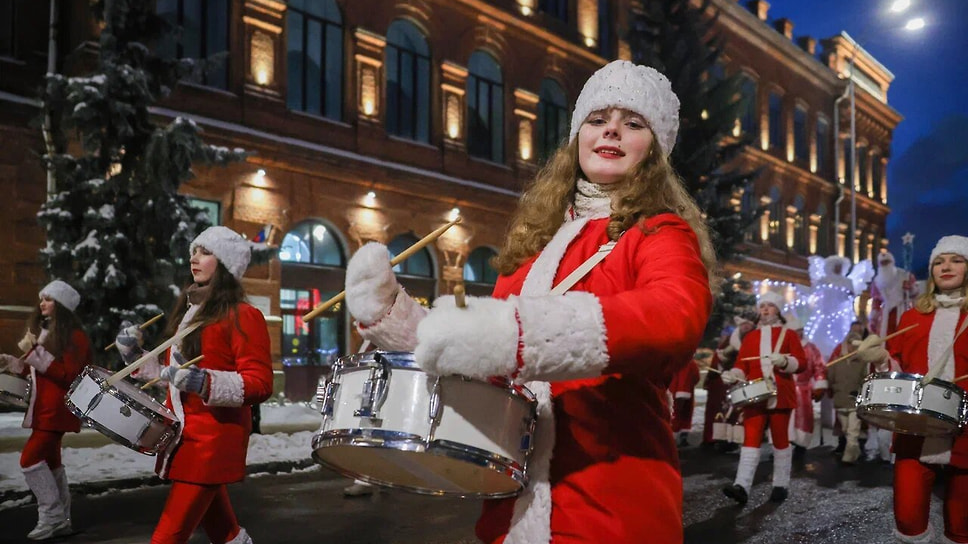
597, 357
212, 399
56, 349
773, 353
938, 344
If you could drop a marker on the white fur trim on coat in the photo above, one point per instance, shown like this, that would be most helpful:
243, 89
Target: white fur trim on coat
226, 388
563, 337
683, 395
941, 338
40, 359
542, 274
397, 331
936, 450
531, 520
821, 384
479, 341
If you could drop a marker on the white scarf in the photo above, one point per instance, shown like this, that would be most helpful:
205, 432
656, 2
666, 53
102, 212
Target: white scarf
592, 200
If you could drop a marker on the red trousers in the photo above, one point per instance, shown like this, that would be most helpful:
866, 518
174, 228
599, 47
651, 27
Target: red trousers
755, 419
191, 505
42, 446
913, 481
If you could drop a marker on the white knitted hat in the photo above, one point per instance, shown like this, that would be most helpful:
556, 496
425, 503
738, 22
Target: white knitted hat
622, 84
950, 244
63, 293
228, 246
770, 297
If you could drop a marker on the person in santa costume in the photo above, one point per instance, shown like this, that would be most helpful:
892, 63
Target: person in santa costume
717, 403
938, 345
846, 378
811, 386
682, 389
211, 399
56, 349
773, 353
599, 357
892, 293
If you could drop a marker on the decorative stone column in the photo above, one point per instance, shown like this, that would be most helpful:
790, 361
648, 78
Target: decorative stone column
369, 75
525, 113
262, 27
452, 85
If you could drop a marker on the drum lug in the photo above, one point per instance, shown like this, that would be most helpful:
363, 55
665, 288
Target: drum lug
375, 390
328, 398
434, 411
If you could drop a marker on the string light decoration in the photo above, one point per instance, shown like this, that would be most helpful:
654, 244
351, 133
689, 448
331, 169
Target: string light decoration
826, 310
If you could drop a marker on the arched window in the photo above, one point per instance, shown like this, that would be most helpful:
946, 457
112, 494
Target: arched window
776, 218
479, 276
203, 32
313, 258
408, 82
749, 122
553, 118
416, 274
485, 108
799, 227
315, 57
823, 231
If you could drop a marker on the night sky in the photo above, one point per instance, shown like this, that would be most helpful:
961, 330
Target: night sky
928, 168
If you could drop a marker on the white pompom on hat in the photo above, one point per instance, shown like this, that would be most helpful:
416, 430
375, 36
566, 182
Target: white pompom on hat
228, 246
950, 244
641, 89
63, 293
770, 297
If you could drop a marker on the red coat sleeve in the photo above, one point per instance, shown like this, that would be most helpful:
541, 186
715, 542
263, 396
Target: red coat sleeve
253, 358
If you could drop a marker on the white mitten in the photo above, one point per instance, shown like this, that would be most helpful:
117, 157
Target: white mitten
129, 341
371, 286
733, 375
871, 350
27, 342
478, 341
778, 360
10, 363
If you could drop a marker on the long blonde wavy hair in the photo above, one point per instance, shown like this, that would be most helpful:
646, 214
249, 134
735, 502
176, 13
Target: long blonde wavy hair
650, 188
925, 303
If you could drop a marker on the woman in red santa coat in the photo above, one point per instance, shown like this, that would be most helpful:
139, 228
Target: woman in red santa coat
811, 386
940, 315
771, 352
212, 399
682, 389
56, 349
600, 357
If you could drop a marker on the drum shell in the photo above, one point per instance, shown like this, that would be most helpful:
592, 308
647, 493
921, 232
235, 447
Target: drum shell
899, 402
472, 421
751, 392
15, 390
121, 412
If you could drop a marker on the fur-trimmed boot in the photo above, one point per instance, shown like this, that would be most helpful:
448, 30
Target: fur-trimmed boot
782, 464
924, 538
749, 458
51, 517
241, 538
64, 490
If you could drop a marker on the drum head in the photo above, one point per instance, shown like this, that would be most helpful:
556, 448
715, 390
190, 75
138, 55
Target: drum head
907, 421
428, 473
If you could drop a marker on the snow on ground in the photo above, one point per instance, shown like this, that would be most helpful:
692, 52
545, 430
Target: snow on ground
116, 462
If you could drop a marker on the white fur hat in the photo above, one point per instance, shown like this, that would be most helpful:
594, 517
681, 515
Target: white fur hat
950, 244
63, 293
228, 246
770, 297
622, 84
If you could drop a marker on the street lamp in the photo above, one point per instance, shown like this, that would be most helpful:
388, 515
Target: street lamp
914, 24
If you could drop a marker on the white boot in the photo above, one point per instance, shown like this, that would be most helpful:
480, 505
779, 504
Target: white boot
241, 538
782, 463
749, 458
924, 538
51, 519
64, 490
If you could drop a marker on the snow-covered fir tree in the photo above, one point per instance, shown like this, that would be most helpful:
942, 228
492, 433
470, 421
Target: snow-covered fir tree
117, 228
678, 39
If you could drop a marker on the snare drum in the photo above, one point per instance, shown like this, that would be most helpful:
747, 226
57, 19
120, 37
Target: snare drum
387, 422
122, 412
897, 401
751, 392
14, 390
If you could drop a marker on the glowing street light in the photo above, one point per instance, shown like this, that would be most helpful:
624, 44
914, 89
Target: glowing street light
900, 5
915, 24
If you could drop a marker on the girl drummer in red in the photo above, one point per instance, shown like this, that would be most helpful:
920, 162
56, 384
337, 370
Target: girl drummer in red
213, 398
598, 357
56, 350
939, 314
771, 352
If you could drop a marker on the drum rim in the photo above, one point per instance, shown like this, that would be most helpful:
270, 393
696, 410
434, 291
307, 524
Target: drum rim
913, 376
865, 410
444, 448
14, 400
366, 360
124, 398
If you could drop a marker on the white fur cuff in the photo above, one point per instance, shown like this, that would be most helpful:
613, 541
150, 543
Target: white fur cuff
40, 359
683, 395
563, 336
225, 389
479, 341
821, 384
397, 331
791, 365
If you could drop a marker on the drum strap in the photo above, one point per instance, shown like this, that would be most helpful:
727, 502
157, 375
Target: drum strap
584, 269
938, 369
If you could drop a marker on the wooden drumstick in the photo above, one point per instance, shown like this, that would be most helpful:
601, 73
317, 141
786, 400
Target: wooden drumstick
142, 326
459, 299
760, 357
885, 339
711, 369
186, 365
393, 262
121, 374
